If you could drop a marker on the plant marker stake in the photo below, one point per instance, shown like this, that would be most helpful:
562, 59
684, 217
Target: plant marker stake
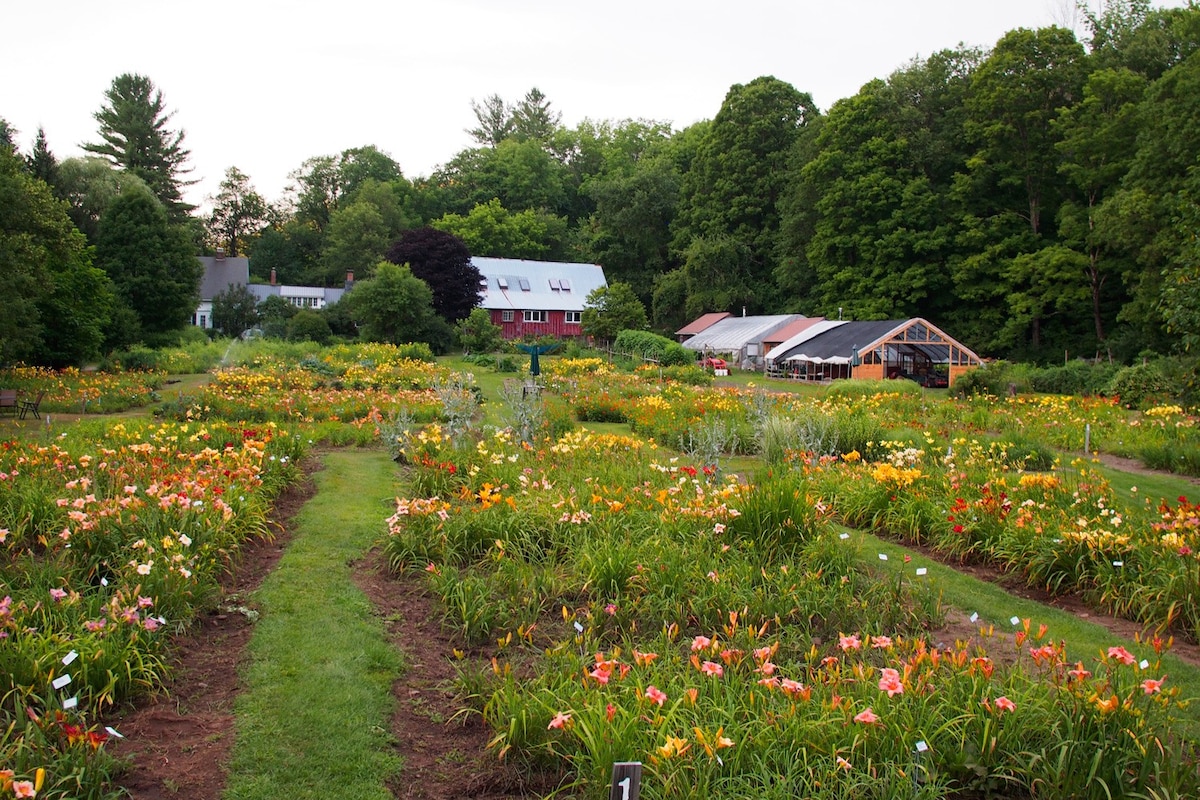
844, 536
60, 681
922, 571
974, 616
1087, 438
883, 556
69, 657
70, 702
113, 731
918, 770
1144, 664
626, 781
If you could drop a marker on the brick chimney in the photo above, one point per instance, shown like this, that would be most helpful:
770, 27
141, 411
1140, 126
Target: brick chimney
272, 276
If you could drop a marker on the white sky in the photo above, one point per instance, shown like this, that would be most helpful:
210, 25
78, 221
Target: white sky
264, 85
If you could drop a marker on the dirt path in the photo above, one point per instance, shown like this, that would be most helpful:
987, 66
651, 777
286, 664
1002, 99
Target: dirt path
178, 742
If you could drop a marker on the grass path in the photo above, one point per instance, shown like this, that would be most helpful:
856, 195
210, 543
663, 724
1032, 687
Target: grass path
313, 720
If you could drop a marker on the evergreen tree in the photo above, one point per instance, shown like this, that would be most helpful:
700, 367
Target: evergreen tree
41, 162
134, 135
151, 263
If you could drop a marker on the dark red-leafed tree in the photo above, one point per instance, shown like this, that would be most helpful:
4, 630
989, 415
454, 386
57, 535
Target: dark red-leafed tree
444, 263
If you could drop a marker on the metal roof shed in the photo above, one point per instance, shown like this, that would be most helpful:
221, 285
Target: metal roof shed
742, 337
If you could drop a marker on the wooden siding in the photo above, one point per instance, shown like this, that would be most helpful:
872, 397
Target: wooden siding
555, 325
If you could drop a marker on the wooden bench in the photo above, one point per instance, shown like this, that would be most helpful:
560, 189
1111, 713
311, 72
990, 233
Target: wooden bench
8, 402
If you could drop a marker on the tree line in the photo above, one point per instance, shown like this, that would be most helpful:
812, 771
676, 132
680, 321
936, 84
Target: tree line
1034, 199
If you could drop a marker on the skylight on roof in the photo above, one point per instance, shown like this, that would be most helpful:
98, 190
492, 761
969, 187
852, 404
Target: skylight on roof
502, 283
565, 284
554, 284
524, 285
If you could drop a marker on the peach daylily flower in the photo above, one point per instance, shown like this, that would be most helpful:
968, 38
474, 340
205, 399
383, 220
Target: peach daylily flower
890, 682
701, 643
1151, 686
1004, 704
867, 717
712, 669
655, 694
1121, 654
560, 720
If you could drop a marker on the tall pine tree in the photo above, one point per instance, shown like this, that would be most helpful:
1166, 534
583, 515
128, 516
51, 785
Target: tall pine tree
134, 133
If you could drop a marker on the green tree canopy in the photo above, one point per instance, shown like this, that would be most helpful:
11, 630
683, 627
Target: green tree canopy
443, 262
392, 306
478, 334
734, 184
135, 136
492, 230
151, 263
608, 310
238, 212
234, 310
90, 185
356, 239
55, 304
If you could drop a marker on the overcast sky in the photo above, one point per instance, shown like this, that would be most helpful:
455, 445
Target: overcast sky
264, 85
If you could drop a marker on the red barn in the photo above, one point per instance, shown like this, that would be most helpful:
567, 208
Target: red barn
537, 298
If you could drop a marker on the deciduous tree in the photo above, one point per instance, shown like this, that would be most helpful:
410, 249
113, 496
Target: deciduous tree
608, 310
492, 230
392, 306
238, 212
55, 303
443, 262
234, 310
477, 333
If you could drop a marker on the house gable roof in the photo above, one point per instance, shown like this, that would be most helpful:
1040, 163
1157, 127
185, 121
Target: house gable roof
220, 272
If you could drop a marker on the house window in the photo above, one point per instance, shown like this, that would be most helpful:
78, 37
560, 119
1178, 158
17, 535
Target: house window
203, 320
574, 316
535, 316
506, 316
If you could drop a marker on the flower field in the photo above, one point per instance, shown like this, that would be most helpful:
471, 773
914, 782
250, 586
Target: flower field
635, 604
683, 595
76, 392
113, 536
357, 384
